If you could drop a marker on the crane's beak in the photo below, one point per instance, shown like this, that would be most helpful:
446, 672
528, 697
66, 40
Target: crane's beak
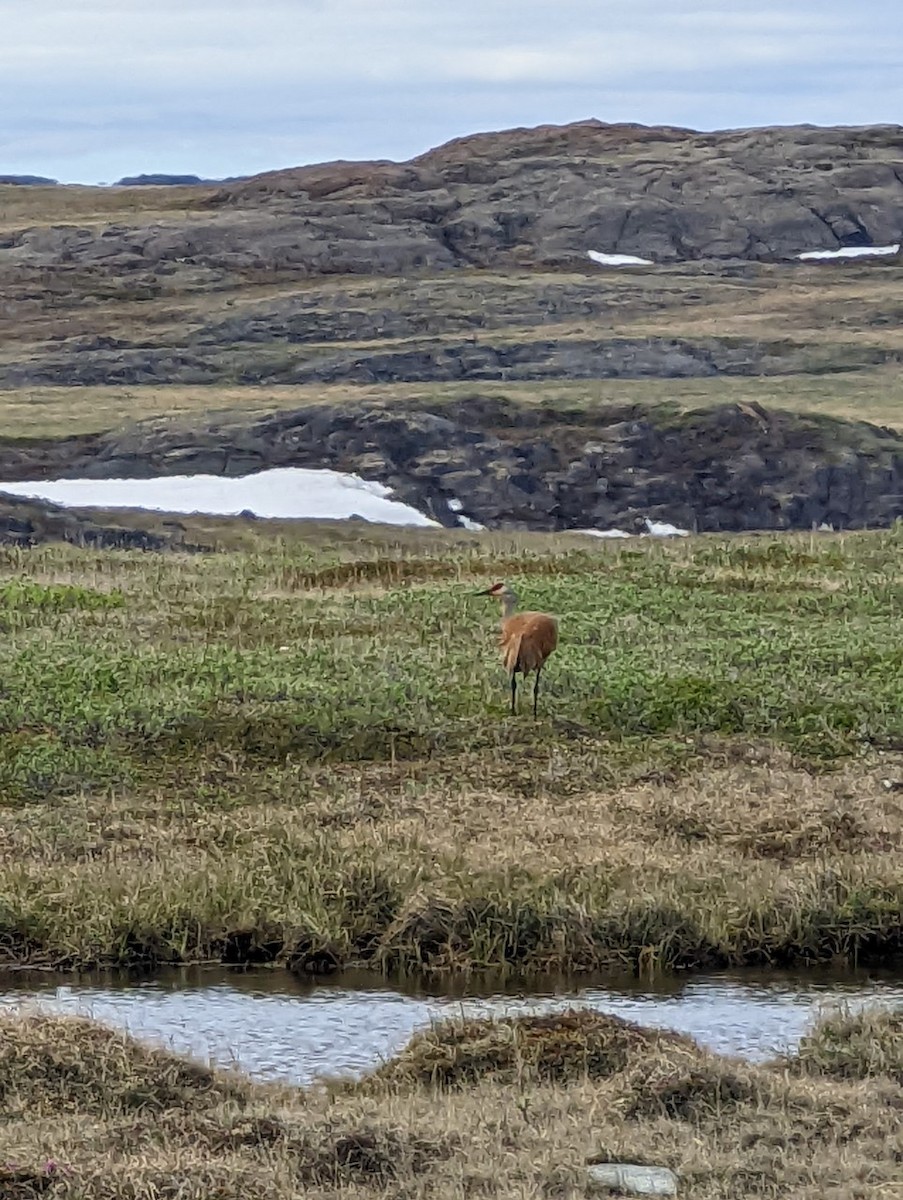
484, 592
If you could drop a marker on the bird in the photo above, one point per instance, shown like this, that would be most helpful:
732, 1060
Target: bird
527, 639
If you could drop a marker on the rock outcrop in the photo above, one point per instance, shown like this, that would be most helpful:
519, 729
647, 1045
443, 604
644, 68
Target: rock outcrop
25, 522
526, 197
546, 194
445, 362
510, 466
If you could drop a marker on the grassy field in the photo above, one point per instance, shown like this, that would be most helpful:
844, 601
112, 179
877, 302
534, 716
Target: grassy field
298, 749
509, 1110
39, 206
53, 412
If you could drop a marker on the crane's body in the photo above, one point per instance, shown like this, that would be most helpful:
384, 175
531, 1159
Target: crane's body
527, 639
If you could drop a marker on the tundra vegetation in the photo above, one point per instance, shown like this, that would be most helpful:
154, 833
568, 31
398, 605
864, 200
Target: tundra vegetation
506, 1109
298, 750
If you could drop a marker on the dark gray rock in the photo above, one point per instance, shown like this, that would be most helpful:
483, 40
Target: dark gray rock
730, 467
25, 522
96, 361
532, 197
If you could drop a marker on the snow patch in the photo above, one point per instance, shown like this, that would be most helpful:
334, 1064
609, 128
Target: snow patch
653, 528
850, 252
464, 522
663, 529
618, 260
284, 492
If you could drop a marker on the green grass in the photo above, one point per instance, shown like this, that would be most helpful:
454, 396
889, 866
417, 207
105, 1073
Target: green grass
296, 742
775, 640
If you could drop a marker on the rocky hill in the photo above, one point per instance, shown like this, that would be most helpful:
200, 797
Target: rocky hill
525, 197
543, 196
469, 267
350, 271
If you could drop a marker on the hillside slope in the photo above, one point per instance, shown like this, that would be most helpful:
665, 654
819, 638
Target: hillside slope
469, 262
436, 289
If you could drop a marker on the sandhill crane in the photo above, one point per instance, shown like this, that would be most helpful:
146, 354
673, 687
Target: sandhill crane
527, 640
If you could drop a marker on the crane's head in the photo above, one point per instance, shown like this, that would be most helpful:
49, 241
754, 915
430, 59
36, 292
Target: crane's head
500, 591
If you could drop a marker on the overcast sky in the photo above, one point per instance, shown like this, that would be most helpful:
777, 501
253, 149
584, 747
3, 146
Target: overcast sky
91, 90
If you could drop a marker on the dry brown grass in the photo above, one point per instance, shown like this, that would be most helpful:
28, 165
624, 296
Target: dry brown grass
865, 1045
809, 303
509, 1128
463, 861
50, 412
28, 207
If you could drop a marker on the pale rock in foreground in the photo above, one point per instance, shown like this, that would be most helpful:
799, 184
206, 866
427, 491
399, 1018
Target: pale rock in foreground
632, 1179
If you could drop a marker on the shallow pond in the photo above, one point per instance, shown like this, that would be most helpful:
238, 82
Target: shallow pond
276, 1027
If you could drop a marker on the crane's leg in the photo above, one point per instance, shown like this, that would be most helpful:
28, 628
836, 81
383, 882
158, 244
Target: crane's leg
536, 691
513, 692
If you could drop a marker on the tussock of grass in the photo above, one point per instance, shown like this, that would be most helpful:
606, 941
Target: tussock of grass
859, 1045
368, 1156
50, 1066
557, 1048
534, 1100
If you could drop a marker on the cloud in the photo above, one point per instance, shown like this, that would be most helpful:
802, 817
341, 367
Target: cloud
95, 89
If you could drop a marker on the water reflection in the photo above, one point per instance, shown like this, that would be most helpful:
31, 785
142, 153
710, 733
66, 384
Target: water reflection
277, 1027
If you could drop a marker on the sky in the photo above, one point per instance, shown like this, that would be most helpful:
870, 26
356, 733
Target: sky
92, 90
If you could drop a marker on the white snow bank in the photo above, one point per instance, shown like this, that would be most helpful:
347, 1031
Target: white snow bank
850, 252
663, 529
618, 260
285, 492
654, 529
292, 492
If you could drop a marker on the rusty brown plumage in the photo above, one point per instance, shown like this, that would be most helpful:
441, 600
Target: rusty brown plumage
527, 639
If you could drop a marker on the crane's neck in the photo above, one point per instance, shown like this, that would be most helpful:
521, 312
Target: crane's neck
509, 604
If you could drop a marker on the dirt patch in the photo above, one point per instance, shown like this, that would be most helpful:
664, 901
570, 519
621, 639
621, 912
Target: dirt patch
372, 1156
